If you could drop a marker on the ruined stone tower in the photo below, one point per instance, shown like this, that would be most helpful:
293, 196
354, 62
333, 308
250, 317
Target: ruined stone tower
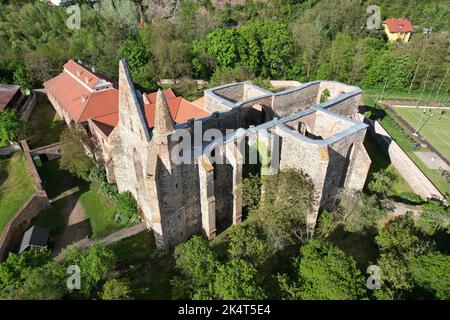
322, 139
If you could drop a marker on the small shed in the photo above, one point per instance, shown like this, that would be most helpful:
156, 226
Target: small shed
38, 237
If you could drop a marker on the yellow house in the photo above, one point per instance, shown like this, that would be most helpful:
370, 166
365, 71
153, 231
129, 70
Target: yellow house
398, 29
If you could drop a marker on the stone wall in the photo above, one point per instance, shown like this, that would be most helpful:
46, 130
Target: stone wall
295, 100
28, 107
13, 232
405, 166
53, 151
347, 106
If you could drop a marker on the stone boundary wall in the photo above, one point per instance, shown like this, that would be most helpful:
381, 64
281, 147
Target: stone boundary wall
13, 232
28, 106
53, 151
401, 161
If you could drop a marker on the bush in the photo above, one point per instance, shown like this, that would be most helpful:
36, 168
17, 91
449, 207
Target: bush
115, 290
97, 175
10, 126
127, 208
109, 191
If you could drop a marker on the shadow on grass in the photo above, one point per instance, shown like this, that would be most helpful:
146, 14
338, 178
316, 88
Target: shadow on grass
361, 246
147, 269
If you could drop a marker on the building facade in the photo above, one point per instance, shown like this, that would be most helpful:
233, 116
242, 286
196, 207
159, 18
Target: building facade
181, 199
398, 30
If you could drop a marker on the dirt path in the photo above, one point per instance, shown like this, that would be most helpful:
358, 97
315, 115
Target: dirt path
113, 237
77, 226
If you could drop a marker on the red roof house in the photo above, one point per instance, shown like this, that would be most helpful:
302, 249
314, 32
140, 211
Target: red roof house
398, 29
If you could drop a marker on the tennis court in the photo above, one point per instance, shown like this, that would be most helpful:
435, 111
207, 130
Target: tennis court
431, 123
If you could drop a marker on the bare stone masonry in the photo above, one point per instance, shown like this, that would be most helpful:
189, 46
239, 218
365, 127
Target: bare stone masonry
324, 140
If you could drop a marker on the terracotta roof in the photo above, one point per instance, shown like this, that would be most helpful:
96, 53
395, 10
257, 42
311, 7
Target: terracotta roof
87, 77
398, 25
180, 109
76, 89
80, 102
168, 93
7, 93
199, 102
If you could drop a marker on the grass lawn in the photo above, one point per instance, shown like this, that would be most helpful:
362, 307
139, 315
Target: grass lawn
381, 161
434, 126
16, 186
58, 183
100, 212
146, 268
400, 135
404, 95
44, 126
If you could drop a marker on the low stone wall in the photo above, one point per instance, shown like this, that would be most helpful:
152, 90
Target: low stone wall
31, 166
53, 151
13, 232
405, 166
28, 107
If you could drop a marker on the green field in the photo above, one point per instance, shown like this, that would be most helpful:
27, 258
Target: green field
16, 186
431, 124
44, 126
98, 209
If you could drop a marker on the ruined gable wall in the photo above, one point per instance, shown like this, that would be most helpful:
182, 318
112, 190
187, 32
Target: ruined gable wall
191, 198
326, 125
339, 155
292, 101
346, 107
309, 120
299, 154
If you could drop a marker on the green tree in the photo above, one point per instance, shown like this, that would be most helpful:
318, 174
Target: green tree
364, 215
115, 290
323, 271
126, 207
283, 209
47, 282
246, 242
227, 46
398, 235
396, 282
21, 76
73, 155
17, 266
197, 265
238, 280
236, 74
434, 215
431, 272
95, 263
11, 126
135, 54
381, 182
251, 191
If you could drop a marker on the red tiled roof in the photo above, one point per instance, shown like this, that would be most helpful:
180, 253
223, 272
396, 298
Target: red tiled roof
180, 109
398, 25
7, 93
168, 93
79, 101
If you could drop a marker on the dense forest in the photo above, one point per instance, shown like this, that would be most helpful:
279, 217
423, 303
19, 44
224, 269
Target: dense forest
223, 41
